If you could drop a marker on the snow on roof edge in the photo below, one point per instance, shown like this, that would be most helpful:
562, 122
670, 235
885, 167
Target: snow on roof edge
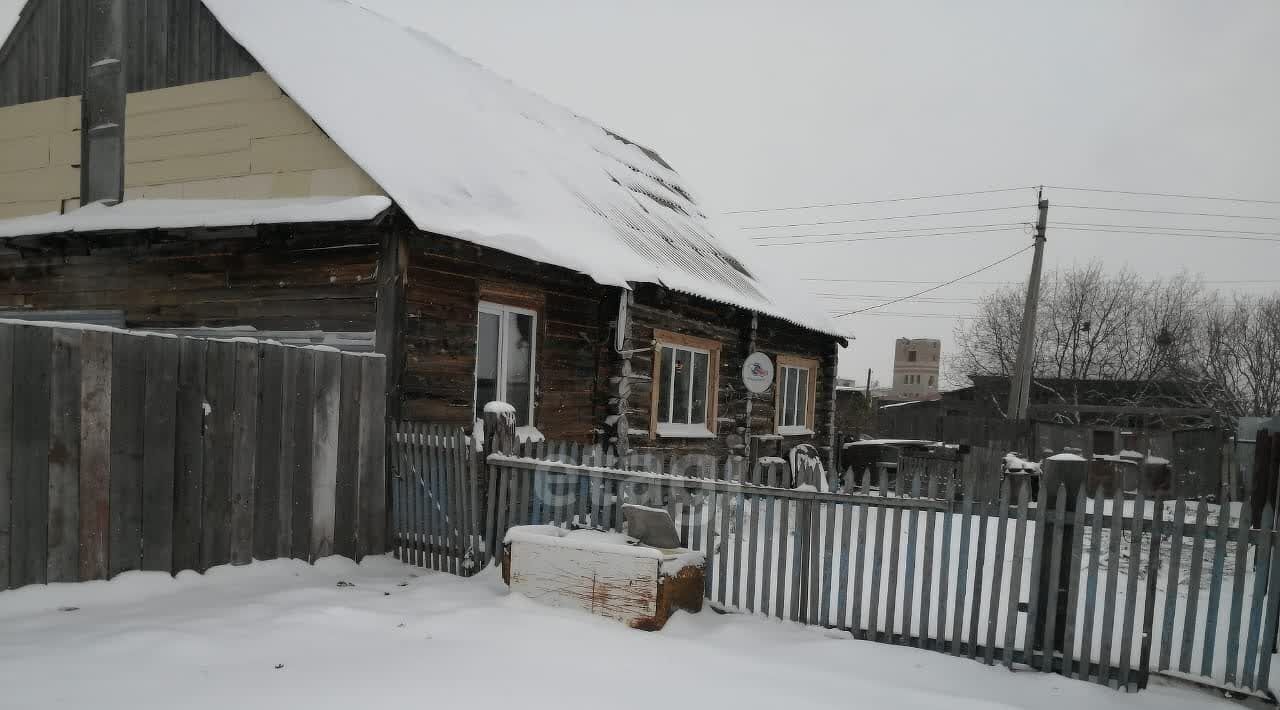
189, 214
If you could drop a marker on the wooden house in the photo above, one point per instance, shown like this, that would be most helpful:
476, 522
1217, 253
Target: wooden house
311, 171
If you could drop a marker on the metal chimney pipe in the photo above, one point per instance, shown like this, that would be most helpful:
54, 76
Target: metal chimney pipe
103, 105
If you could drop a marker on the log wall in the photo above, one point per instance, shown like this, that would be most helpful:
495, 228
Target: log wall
661, 309
267, 278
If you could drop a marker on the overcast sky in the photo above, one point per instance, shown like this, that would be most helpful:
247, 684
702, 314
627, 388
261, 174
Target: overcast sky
776, 104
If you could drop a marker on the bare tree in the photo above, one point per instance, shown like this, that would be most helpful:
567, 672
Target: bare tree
1168, 337
1094, 327
1241, 345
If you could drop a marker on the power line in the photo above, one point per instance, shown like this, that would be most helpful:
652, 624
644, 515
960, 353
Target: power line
896, 236
881, 202
935, 288
882, 219
1007, 283
1165, 194
1174, 212
900, 230
866, 297
891, 281
1130, 233
1167, 228
952, 316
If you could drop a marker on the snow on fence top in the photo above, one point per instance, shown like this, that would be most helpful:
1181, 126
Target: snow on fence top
468, 154
186, 214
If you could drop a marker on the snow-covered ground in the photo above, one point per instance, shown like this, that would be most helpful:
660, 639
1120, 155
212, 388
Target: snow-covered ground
382, 635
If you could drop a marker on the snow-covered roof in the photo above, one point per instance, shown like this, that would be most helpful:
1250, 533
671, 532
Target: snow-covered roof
468, 154
185, 214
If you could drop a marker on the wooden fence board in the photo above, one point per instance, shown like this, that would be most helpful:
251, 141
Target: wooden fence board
159, 452
812, 589
95, 453
962, 572
29, 514
842, 574
324, 453
767, 560
1054, 560
63, 560
753, 550
895, 550
1237, 614
739, 520
997, 575
1272, 616
1037, 559
1131, 589
219, 407
267, 460
875, 603
909, 564
188, 486
1073, 582
1153, 574
926, 581
979, 567
346, 503
1171, 586
944, 582
1261, 571
1193, 587
295, 460
128, 418
1015, 576
1113, 579
244, 458
372, 474
6, 447
1087, 657
860, 560
784, 516
1215, 593
722, 570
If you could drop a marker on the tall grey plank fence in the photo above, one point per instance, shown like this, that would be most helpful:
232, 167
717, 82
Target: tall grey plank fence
124, 451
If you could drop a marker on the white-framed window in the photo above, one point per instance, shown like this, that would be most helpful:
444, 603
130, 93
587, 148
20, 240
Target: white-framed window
506, 344
685, 384
796, 384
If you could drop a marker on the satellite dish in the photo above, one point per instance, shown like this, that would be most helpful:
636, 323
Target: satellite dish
757, 373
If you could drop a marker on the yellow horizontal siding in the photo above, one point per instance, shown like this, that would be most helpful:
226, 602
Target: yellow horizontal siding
235, 138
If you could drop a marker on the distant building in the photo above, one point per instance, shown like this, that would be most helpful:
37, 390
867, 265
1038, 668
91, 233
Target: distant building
915, 368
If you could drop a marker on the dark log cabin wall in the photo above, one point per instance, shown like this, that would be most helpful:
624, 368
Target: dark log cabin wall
315, 277
662, 309
446, 280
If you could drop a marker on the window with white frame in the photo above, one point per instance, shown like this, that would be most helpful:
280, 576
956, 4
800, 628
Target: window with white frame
505, 343
684, 396
796, 383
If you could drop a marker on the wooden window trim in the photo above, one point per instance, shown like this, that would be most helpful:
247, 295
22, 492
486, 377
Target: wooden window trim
666, 337
811, 404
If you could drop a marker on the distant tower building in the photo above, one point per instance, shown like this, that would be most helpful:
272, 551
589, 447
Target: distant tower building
915, 368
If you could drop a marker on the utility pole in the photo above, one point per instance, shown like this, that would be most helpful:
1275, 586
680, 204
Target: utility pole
867, 396
1020, 383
